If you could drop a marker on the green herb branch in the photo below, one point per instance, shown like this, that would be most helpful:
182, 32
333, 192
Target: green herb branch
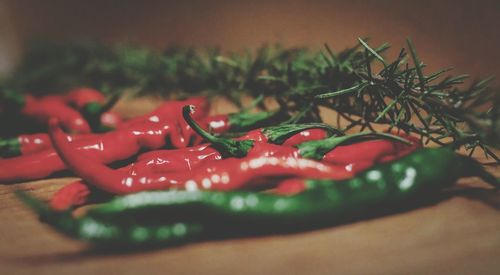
401, 95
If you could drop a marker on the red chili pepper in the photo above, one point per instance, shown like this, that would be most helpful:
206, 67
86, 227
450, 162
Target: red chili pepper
287, 187
222, 175
95, 108
112, 146
60, 106
170, 109
362, 155
45, 108
167, 161
174, 160
32, 143
111, 120
81, 97
191, 157
357, 157
164, 161
270, 161
24, 145
74, 194
106, 148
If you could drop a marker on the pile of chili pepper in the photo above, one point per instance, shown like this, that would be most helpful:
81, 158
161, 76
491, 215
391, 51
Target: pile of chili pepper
81, 110
262, 153
185, 180
173, 217
150, 132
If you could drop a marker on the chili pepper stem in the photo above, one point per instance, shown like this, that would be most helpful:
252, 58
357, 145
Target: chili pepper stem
316, 149
227, 147
243, 121
279, 134
93, 111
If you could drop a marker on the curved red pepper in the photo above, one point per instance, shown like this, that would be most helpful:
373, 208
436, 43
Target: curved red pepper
45, 108
356, 158
362, 155
32, 143
350, 157
191, 157
225, 174
286, 187
111, 120
73, 194
106, 148
170, 109
174, 160
80, 97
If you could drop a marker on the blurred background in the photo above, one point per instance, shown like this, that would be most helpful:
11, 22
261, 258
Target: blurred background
462, 34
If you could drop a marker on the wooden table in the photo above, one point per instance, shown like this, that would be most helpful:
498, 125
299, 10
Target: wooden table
459, 234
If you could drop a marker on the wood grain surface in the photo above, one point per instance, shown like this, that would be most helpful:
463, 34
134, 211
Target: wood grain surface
459, 233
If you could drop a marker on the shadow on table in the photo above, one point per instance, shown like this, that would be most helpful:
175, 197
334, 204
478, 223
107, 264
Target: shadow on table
489, 197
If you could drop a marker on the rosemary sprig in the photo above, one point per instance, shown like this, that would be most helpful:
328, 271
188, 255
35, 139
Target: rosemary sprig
400, 95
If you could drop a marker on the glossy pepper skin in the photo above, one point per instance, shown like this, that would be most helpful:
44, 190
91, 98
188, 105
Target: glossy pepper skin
227, 174
356, 158
45, 108
27, 144
90, 102
350, 156
168, 161
164, 161
81, 97
71, 195
120, 144
170, 109
80, 110
75, 194
236, 122
174, 160
190, 157
149, 218
31, 143
271, 160
95, 108
106, 148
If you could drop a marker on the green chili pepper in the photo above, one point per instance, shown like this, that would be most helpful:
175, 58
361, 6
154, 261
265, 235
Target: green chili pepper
154, 217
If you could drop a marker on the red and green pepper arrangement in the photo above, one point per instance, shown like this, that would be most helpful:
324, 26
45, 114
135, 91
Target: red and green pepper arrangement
179, 174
